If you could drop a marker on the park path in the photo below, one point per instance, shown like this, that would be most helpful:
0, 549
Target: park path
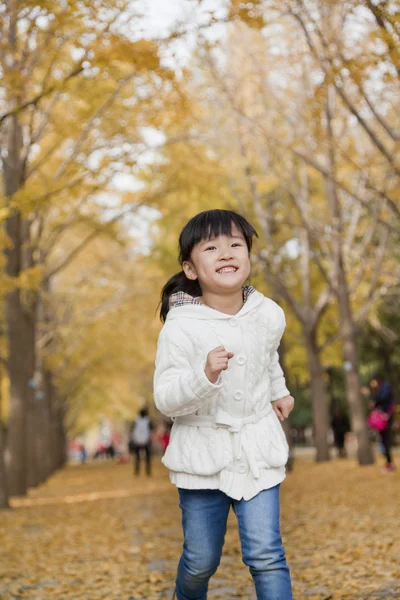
96, 532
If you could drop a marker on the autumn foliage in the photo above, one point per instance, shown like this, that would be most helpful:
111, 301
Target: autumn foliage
96, 532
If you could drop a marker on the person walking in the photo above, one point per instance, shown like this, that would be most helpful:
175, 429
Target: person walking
218, 377
383, 400
340, 426
141, 441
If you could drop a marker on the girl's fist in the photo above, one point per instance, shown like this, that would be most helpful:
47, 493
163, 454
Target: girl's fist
283, 407
217, 361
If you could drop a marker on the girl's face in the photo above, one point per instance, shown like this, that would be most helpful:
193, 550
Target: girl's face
220, 264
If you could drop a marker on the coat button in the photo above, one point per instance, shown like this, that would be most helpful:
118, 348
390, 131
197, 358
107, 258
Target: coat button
233, 322
238, 395
241, 359
242, 469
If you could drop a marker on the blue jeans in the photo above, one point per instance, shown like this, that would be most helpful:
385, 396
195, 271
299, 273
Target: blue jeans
204, 519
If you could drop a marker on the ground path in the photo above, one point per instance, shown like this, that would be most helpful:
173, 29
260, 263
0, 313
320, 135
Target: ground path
95, 532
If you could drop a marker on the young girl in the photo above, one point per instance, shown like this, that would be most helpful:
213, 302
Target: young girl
218, 377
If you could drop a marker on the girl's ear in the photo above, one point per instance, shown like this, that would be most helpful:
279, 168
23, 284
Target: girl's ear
189, 270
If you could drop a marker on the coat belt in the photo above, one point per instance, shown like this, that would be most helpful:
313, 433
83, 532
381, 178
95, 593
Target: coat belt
223, 419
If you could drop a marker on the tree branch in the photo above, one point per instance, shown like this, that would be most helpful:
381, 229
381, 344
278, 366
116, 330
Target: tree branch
34, 101
88, 126
323, 61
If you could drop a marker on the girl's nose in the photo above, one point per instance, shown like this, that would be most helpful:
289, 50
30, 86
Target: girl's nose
226, 253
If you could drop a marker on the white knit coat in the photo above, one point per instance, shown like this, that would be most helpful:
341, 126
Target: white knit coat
225, 435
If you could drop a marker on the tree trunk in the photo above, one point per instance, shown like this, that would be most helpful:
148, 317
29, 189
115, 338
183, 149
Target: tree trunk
51, 461
3, 474
39, 444
61, 441
47, 405
340, 285
44, 440
352, 377
20, 362
58, 432
33, 431
320, 400
41, 426
19, 324
20, 327
54, 427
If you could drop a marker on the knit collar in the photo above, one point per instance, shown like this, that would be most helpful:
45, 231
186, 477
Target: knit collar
184, 299
185, 305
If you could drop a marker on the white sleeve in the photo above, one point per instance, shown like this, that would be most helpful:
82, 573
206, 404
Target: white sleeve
277, 378
180, 388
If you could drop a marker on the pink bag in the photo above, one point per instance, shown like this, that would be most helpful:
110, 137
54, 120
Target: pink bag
377, 420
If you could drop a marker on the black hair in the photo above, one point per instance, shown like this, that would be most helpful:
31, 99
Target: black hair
204, 226
378, 376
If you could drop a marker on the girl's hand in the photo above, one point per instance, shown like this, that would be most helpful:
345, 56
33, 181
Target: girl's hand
283, 407
217, 361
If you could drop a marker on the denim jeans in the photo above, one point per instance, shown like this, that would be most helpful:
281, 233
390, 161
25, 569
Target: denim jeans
204, 519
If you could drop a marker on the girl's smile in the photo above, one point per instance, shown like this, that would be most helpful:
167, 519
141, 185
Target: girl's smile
228, 269
220, 263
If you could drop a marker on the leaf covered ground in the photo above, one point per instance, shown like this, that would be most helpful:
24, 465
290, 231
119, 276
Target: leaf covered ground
96, 532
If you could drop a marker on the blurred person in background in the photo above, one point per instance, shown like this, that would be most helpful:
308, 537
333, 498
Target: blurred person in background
140, 442
340, 426
383, 400
165, 435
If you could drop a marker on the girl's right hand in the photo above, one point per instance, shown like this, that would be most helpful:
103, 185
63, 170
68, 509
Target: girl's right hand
217, 361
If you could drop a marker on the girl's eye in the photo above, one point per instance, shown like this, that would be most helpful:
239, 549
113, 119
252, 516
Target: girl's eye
236, 244
210, 248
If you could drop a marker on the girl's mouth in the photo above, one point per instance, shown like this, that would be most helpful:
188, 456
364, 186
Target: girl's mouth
227, 270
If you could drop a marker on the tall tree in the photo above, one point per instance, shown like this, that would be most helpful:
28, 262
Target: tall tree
70, 119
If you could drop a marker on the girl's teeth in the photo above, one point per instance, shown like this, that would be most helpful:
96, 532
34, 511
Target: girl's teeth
228, 270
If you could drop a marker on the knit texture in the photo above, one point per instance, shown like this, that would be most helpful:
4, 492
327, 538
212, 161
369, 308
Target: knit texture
240, 460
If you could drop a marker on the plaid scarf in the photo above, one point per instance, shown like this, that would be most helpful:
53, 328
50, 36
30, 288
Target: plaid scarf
183, 299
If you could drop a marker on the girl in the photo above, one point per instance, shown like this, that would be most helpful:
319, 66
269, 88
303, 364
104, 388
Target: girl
218, 377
